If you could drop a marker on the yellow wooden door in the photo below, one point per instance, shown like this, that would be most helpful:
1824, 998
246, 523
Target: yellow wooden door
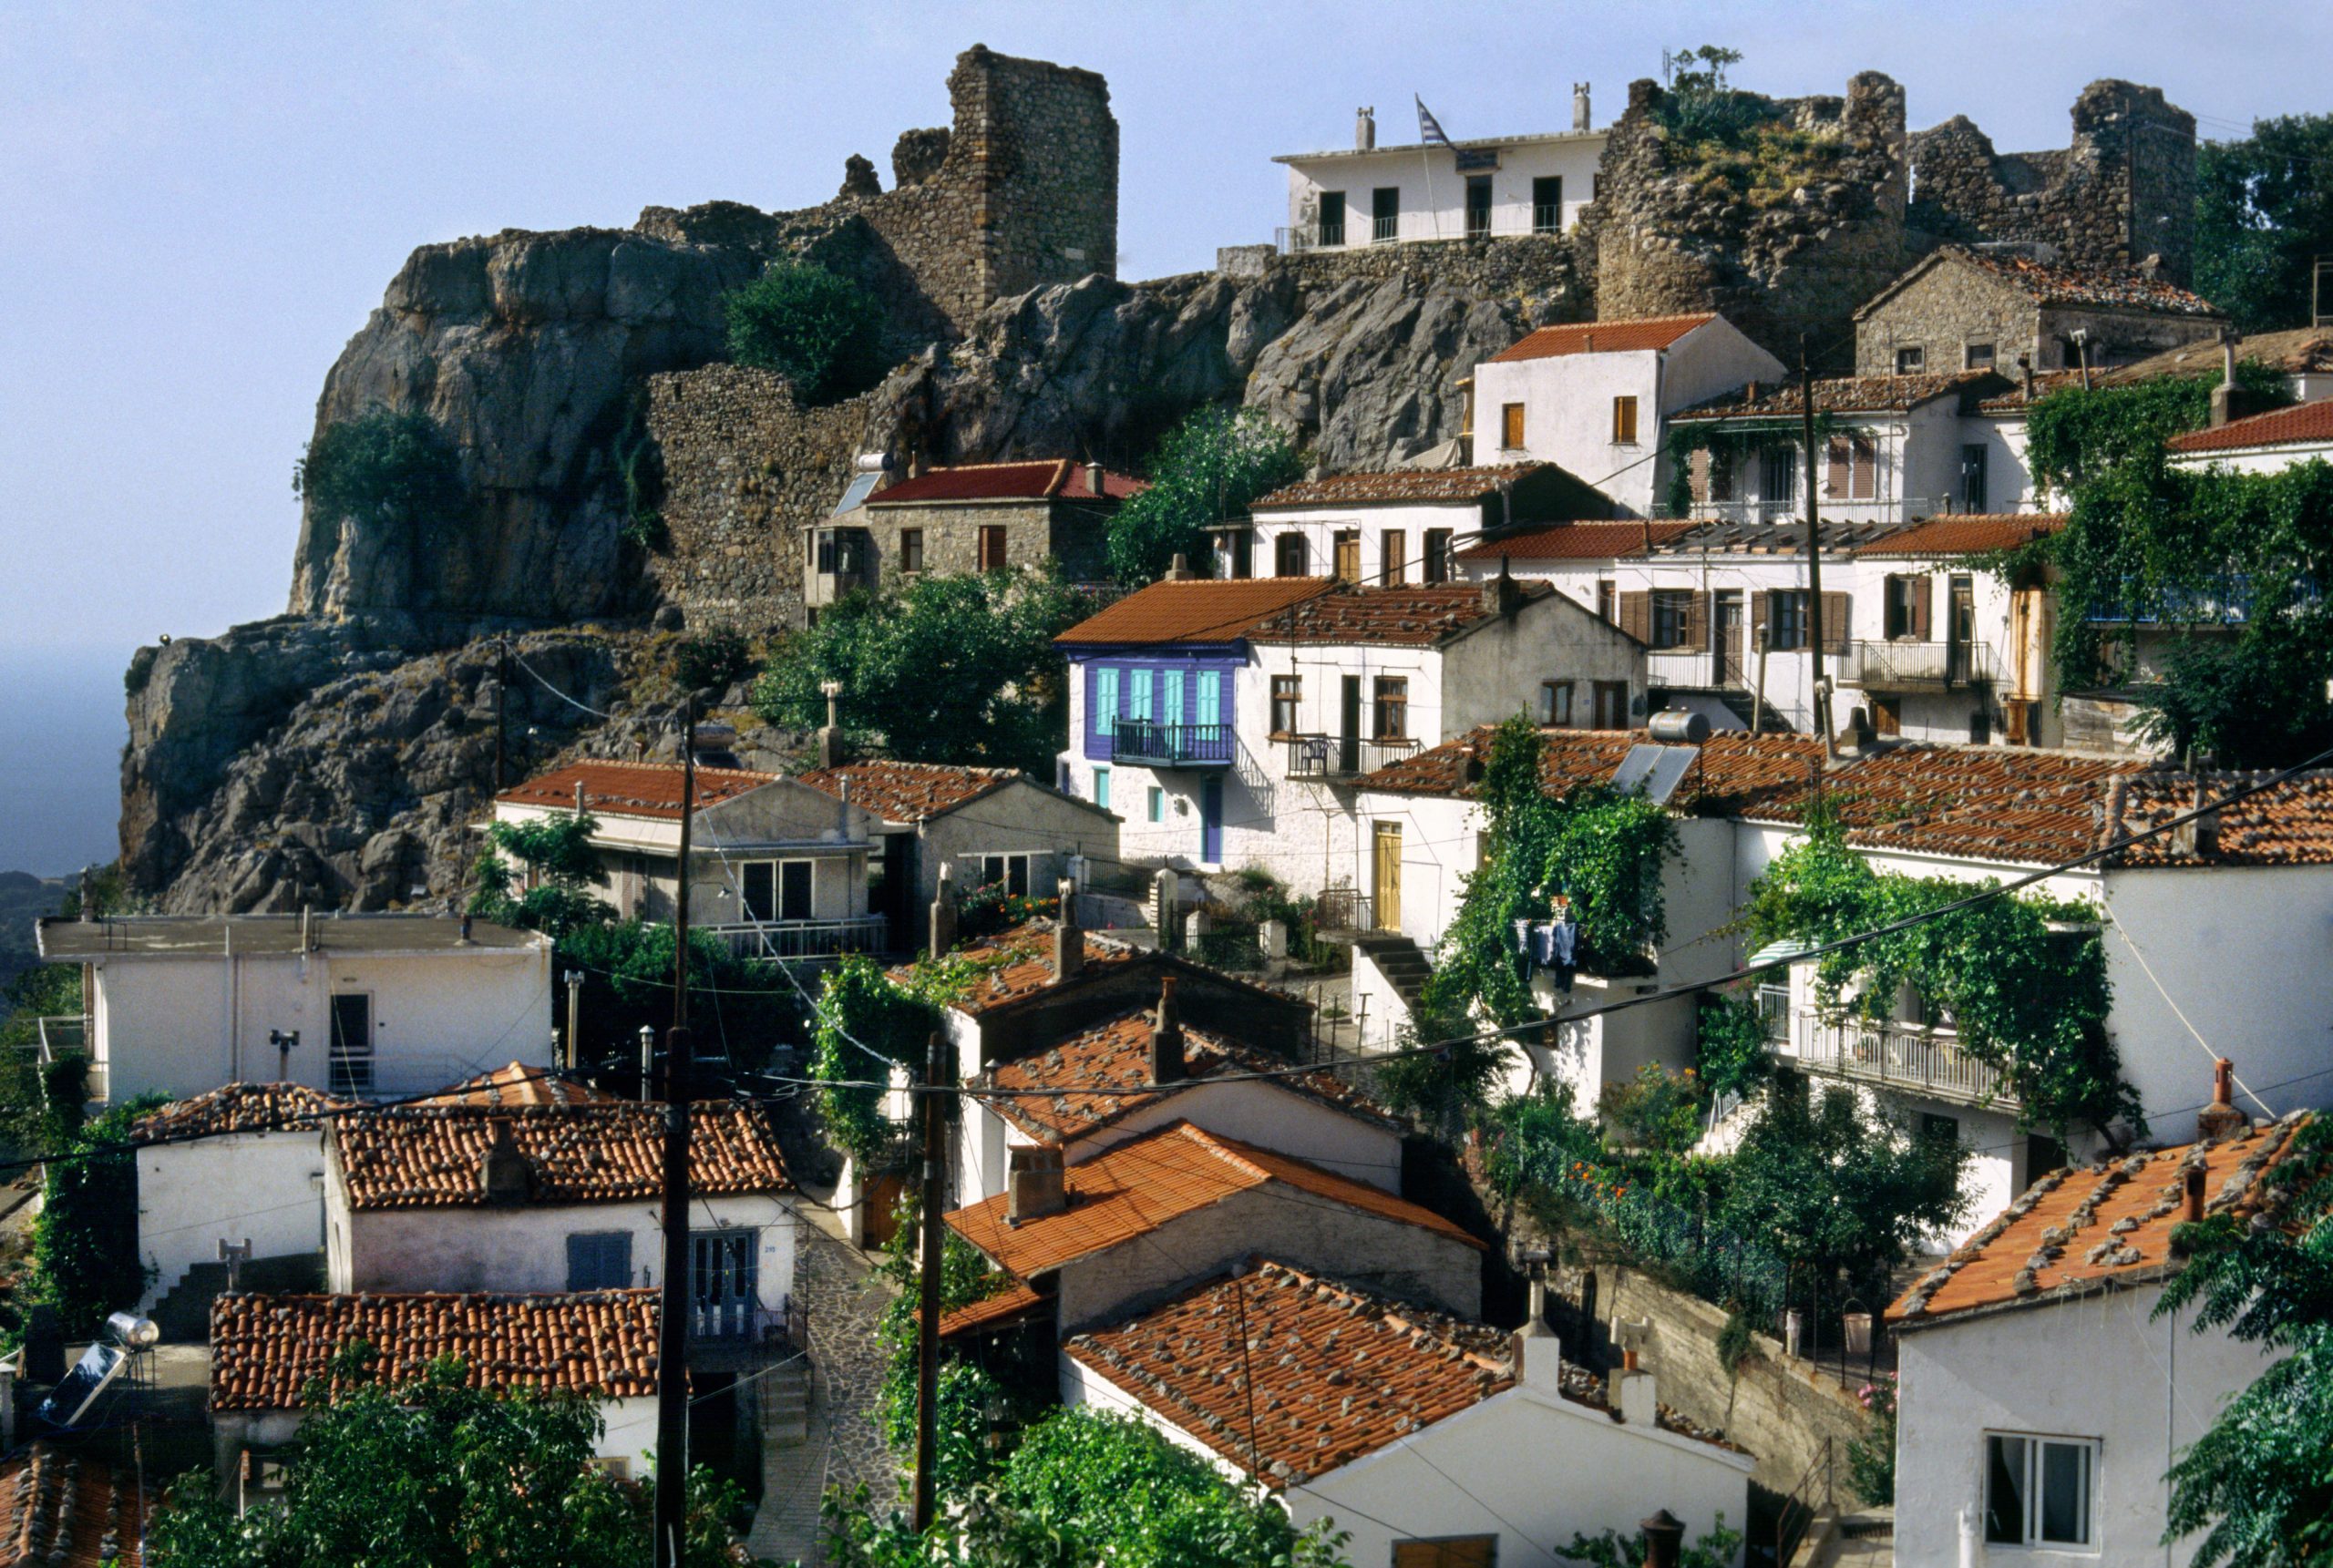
1386, 877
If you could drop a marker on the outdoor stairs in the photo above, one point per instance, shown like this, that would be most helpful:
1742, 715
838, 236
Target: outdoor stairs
1743, 704
786, 1405
796, 1440
1400, 961
183, 1313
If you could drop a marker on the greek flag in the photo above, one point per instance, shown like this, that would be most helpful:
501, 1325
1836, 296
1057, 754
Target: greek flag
1429, 129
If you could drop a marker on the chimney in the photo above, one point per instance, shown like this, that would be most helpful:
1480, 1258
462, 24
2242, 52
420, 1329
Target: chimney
1502, 595
1181, 571
1364, 130
579, 797
2024, 370
1579, 106
2225, 396
1069, 941
831, 752
503, 1177
1637, 1405
2221, 1118
88, 897
1750, 392
1033, 1184
1094, 477
1664, 1539
2206, 826
1166, 1037
1166, 891
943, 915
2192, 1194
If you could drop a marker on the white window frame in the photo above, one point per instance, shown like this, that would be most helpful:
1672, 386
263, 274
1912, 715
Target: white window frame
979, 864
778, 915
2030, 1502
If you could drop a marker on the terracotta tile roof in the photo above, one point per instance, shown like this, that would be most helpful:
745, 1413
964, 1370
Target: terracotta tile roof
1199, 610
1044, 478
910, 791
1602, 337
1842, 395
1757, 537
1146, 1182
1015, 1304
2295, 351
1417, 617
2052, 284
266, 1349
2291, 824
632, 789
518, 1084
2103, 1227
2278, 426
1959, 534
1575, 541
2044, 383
67, 1508
1733, 763
1397, 485
416, 1157
237, 1107
1116, 1055
1019, 963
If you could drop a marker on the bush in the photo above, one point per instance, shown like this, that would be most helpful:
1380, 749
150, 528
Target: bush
1871, 1461
988, 909
714, 659
1731, 1050
397, 470
822, 332
1208, 468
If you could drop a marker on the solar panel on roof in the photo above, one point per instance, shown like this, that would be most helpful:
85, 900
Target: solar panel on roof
1655, 770
861, 487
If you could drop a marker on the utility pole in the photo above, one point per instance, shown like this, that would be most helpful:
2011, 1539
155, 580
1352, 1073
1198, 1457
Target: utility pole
1813, 557
501, 687
928, 1281
681, 899
672, 1316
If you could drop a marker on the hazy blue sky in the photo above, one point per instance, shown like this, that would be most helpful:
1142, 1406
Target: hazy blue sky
204, 201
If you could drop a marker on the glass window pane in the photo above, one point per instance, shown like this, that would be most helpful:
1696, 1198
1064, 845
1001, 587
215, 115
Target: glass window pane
2005, 1491
1106, 701
1102, 788
2065, 1493
794, 890
759, 883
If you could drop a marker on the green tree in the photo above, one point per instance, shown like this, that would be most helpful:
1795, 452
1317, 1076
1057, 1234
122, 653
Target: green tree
436, 1474
1206, 470
864, 1020
2258, 1484
2264, 213
737, 1006
395, 471
84, 1257
560, 866
954, 669
822, 332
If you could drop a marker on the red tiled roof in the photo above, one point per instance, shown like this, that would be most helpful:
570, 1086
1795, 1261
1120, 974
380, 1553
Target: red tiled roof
2053, 283
237, 1107
1019, 963
1602, 337
1115, 1056
1733, 763
1417, 617
2278, 426
1575, 541
2044, 383
2294, 350
910, 791
632, 789
1197, 610
266, 1349
2291, 824
517, 1084
1011, 1304
416, 1157
2107, 1226
64, 1508
1044, 478
1144, 1184
1841, 394
1959, 534
1396, 484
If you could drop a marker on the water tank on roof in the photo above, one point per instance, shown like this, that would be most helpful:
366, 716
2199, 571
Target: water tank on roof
1679, 727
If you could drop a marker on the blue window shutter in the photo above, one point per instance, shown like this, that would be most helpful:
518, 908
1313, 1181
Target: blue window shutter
1210, 697
1170, 711
1106, 701
1138, 703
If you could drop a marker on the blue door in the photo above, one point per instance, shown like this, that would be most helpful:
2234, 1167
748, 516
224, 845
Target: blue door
1211, 822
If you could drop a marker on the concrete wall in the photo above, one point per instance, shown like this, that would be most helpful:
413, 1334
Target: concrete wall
1019, 818
1433, 190
266, 1188
2270, 460
1462, 520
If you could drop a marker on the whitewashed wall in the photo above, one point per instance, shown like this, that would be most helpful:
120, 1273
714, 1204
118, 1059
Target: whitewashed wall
1433, 190
266, 1188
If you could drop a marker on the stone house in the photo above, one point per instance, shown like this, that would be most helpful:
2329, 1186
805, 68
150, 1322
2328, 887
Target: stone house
1395, 529
1998, 309
976, 518
1433, 1440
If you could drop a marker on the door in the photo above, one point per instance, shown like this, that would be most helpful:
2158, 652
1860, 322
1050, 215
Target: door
1478, 205
1332, 218
722, 1266
1386, 875
1960, 630
1347, 555
1725, 636
351, 1063
1211, 822
1348, 727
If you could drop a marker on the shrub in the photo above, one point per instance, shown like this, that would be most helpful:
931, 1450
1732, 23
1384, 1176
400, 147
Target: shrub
1732, 1054
397, 470
822, 332
988, 909
713, 658
1209, 467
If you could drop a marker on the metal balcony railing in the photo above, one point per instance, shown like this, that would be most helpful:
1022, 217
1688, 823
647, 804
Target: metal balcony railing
1900, 1056
1343, 756
1153, 743
1906, 666
805, 939
1343, 909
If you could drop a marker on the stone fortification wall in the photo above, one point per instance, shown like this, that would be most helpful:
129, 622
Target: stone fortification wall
2122, 192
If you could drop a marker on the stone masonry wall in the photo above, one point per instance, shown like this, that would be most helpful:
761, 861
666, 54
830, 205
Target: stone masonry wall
952, 537
1944, 310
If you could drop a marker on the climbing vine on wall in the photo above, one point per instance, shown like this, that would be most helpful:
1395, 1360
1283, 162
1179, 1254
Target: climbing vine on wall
867, 1023
1735, 440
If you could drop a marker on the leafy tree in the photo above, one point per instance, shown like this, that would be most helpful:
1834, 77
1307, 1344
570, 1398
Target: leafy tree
436, 1474
1699, 107
1657, 1111
84, 1257
863, 1015
1535, 1139
1731, 1047
1447, 1088
822, 332
954, 669
1208, 468
394, 470
713, 658
737, 1006
560, 865
2264, 213
2258, 1484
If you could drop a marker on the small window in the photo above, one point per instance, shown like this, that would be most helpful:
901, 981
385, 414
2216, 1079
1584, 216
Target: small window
1106, 701
1394, 550
1786, 616
1478, 205
351, 1058
2037, 1491
1555, 703
794, 885
1157, 812
1778, 474
1607, 600
1102, 788
1447, 1552
1437, 563
1393, 708
1940, 1129
911, 550
1973, 468
1237, 552
1011, 870
1346, 546
1332, 218
1385, 214
599, 1260
1286, 690
1624, 422
991, 547
1979, 356
826, 552
1612, 704
1510, 427
1719, 482
1291, 558
1673, 617
1852, 465
1911, 361
1906, 616
1548, 204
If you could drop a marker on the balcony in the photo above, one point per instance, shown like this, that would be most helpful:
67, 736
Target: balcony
1906, 666
777, 940
1343, 756
1899, 1056
1343, 911
1149, 742
68, 1035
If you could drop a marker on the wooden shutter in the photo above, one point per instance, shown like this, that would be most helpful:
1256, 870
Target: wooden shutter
1636, 616
1836, 479
1834, 622
1922, 588
1697, 624
1759, 624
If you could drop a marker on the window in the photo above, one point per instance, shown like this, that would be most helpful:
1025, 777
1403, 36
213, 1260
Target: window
1013, 870
1447, 1552
1157, 805
1385, 214
1555, 703
1608, 599
1105, 701
991, 547
1290, 556
794, 883
911, 550
1436, 563
1394, 550
1979, 356
1170, 697
1478, 205
1548, 204
1138, 685
1786, 613
599, 1260
1332, 218
1102, 788
1239, 553
1906, 615
1286, 688
825, 546
1778, 474
1612, 704
351, 1058
1910, 360
1345, 547
1393, 715
1510, 427
777, 889
1673, 618
2038, 1490
1209, 691
1940, 1129
1713, 474
1852, 463
1972, 476
1624, 422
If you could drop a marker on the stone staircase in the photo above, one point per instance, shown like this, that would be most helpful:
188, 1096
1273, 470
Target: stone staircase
785, 1405
183, 1312
1400, 961
1743, 704
795, 1441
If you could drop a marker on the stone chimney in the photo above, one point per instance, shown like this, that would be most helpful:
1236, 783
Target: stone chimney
1166, 1037
1502, 595
2225, 395
1632, 1394
1664, 1539
832, 754
1095, 478
1579, 106
1069, 939
943, 915
1181, 571
1364, 129
2221, 1118
504, 1178
1034, 1184
579, 797
1165, 893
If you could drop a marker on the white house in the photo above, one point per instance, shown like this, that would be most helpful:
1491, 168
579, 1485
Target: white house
1431, 1440
1480, 188
780, 869
356, 1005
2263, 443
2041, 1401
266, 1350
1398, 527
1595, 397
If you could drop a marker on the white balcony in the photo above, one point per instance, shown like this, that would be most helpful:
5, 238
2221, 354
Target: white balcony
1900, 1056
806, 939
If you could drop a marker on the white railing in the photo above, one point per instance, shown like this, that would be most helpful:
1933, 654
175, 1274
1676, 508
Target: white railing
1899, 1056
59, 1035
806, 939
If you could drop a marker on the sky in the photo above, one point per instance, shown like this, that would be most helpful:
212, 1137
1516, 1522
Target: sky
205, 201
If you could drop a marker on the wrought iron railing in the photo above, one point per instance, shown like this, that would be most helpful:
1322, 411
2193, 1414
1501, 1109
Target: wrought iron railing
1904, 666
1343, 909
805, 939
1157, 743
1343, 756
1900, 1056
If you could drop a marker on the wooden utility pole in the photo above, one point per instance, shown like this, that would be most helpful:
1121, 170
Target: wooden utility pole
681, 898
930, 1270
671, 1512
1813, 558
501, 689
